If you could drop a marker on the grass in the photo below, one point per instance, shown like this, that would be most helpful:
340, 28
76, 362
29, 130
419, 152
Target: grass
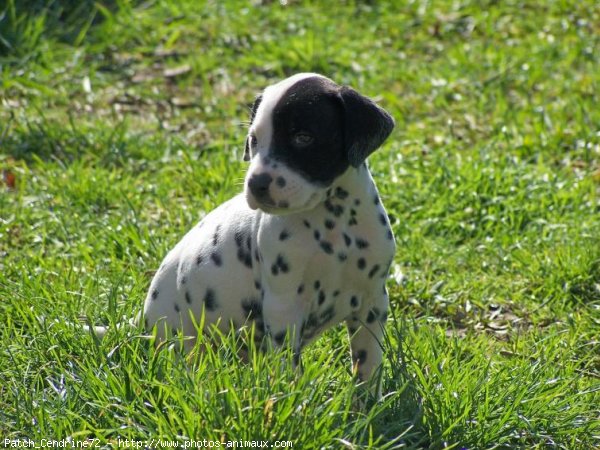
122, 124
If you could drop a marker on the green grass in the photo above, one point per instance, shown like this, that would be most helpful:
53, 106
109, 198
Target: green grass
491, 179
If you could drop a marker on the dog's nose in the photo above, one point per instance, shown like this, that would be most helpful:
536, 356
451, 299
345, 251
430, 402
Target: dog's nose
259, 185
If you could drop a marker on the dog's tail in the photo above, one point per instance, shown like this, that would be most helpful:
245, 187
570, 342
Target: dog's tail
99, 331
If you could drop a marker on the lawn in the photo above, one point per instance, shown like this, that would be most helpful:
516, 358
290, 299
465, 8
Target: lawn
122, 124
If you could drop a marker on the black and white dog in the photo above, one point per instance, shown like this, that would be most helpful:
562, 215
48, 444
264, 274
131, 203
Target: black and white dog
306, 245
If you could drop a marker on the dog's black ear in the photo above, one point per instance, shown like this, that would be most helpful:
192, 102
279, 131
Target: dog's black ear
366, 125
255, 106
247, 149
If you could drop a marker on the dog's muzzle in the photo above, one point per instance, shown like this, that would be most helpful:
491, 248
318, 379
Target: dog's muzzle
259, 188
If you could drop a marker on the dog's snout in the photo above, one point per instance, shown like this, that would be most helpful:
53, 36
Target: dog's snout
259, 185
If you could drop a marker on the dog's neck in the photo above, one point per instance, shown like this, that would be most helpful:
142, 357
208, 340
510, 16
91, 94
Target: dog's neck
357, 183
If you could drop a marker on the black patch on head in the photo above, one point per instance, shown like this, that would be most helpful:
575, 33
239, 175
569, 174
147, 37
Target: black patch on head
373, 270
210, 300
284, 235
308, 136
373, 315
327, 247
361, 243
154, 294
361, 264
216, 258
329, 224
188, 297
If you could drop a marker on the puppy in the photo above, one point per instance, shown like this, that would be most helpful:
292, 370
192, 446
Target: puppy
307, 244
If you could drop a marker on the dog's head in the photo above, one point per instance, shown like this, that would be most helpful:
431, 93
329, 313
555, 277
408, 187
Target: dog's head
305, 132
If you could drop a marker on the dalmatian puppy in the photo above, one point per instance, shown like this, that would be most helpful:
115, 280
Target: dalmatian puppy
307, 244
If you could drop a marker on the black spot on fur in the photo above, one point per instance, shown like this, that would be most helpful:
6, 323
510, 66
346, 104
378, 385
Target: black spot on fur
199, 260
252, 308
342, 256
373, 315
238, 237
361, 243
306, 223
327, 315
317, 285
188, 297
256, 255
390, 235
336, 293
177, 307
300, 289
382, 219
329, 224
384, 316
347, 240
257, 285
183, 280
353, 212
216, 258
282, 263
216, 235
279, 337
317, 235
359, 356
336, 210
352, 330
275, 269
321, 298
376, 199
373, 270
280, 181
154, 294
326, 246
210, 300
352, 221
341, 193
356, 202
354, 301
284, 235
245, 257
361, 264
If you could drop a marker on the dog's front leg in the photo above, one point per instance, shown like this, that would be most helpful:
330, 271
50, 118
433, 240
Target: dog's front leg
283, 320
366, 340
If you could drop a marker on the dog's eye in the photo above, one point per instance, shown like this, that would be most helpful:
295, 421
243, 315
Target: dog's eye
252, 140
302, 139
